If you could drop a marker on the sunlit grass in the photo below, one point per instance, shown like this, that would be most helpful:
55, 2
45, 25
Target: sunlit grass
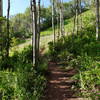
47, 35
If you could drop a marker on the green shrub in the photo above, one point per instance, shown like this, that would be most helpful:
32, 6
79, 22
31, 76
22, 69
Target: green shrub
88, 76
21, 80
22, 85
81, 52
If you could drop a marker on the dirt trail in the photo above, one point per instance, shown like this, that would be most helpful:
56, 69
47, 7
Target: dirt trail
43, 42
59, 84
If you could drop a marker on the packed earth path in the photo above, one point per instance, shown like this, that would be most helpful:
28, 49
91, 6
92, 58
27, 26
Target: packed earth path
44, 40
59, 85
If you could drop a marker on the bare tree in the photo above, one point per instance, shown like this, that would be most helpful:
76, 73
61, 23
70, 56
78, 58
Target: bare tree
97, 20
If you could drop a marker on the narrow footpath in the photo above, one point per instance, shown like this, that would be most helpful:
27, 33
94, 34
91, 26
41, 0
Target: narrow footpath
59, 85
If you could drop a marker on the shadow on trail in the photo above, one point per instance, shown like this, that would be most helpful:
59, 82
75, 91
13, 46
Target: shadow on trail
59, 84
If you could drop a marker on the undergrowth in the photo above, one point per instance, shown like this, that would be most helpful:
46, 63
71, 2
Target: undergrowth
81, 52
21, 81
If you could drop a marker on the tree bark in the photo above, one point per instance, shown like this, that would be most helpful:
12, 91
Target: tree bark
58, 25
31, 14
1, 35
39, 10
61, 19
34, 29
63, 29
8, 27
1, 8
80, 11
77, 12
97, 20
53, 16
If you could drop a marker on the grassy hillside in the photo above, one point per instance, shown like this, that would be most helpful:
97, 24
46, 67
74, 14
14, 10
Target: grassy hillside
81, 52
88, 18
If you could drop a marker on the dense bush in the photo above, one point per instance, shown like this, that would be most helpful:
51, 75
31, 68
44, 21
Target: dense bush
22, 81
24, 85
88, 77
85, 42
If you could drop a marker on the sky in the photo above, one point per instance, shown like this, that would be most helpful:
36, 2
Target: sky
19, 6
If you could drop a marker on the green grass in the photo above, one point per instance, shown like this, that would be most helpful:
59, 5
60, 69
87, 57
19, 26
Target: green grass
47, 32
88, 18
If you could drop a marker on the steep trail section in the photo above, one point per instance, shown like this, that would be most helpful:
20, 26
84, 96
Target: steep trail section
59, 84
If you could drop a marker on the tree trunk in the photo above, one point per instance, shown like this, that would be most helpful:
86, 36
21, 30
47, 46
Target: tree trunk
8, 27
31, 14
1, 8
1, 35
1, 14
97, 20
80, 11
77, 12
58, 25
61, 19
74, 25
53, 16
63, 29
35, 56
39, 26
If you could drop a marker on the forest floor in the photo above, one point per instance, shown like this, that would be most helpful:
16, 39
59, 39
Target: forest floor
59, 85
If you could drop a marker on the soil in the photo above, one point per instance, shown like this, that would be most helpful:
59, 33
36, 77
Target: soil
59, 85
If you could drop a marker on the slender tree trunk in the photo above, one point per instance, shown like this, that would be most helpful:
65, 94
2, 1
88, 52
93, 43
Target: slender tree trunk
8, 27
53, 16
74, 25
1, 8
1, 14
97, 21
31, 14
57, 18
58, 25
80, 11
1, 35
39, 8
74, 18
63, 29
35, 56
77, 11
60, 21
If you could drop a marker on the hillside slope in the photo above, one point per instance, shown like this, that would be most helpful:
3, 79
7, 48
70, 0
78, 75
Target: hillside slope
87, 17
47, 35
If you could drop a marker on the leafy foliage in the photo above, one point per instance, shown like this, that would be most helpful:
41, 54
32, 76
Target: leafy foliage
22, 81
81, 52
